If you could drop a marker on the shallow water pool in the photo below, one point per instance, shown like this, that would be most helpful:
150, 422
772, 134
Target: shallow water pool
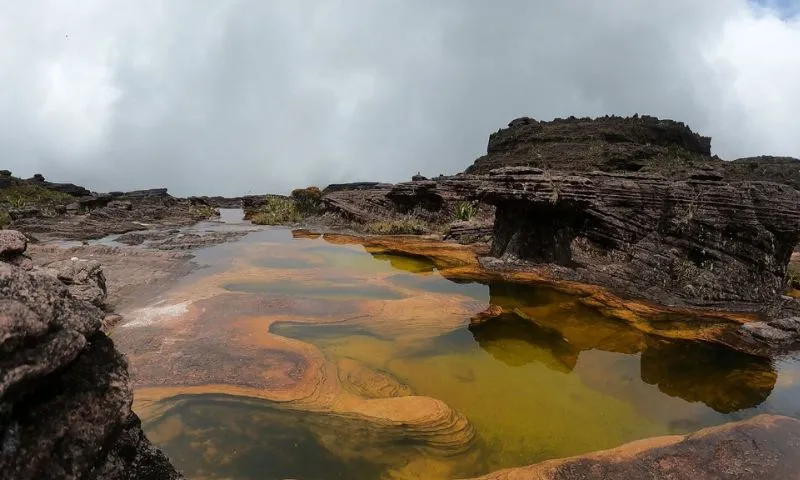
549, 378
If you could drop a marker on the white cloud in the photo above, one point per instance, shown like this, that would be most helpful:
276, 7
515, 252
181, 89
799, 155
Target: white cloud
239, 96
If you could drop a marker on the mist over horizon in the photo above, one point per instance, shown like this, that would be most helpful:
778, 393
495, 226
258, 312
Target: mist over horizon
243, 97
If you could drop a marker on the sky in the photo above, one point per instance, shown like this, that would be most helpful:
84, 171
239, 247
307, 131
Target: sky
234, 97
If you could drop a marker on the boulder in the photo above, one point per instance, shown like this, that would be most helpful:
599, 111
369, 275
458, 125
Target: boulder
12, 243
65, 393
12, 249
25, 212
84, 279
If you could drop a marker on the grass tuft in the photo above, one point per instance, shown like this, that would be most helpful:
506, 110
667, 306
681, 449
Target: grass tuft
465, 211
406, 226
23, 195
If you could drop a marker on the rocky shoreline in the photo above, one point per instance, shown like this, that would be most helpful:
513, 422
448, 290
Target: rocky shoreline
633, 215
65, 393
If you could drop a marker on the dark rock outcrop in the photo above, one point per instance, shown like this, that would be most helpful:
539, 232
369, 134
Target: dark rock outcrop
643, 144
701, 241
363, 203
762, 448
65, 394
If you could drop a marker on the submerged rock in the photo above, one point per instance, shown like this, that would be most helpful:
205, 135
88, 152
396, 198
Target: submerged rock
763, 448
65, 394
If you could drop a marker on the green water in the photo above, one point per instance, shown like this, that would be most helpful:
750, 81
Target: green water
549, 379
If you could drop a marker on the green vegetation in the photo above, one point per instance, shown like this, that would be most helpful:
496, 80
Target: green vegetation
405, 226
307, 200
5, 220
23, 195
201, 212
465, 211
277, 211
793, 276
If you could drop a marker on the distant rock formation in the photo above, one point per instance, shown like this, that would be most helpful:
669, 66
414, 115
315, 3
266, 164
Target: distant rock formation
65, 394
612, 144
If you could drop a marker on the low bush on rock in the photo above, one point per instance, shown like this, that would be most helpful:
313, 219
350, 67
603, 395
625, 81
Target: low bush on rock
793, 277
307, 200
277, 211
202, 212
465, 211
24, 195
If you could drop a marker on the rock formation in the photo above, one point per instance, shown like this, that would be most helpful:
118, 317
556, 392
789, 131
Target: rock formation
66, 211
636, 204
762, 448
676, 225
703, 242
65, 395
637, 144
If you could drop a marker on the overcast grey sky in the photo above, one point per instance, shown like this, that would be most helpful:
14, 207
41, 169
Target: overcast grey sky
236, 96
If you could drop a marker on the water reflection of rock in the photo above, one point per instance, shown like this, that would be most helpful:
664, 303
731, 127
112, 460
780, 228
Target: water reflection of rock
527, 326
725, 380
509, 339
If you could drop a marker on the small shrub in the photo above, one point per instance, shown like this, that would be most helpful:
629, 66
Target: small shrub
277, 211
202, 212
465, 211
307, 200
793, 277
406, 226
17, 202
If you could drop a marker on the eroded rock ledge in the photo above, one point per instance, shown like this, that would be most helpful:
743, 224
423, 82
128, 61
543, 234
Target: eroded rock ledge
65, 395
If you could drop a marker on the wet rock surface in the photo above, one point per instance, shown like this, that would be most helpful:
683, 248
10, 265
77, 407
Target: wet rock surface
178, 240
65, 394
764, 447
129, 273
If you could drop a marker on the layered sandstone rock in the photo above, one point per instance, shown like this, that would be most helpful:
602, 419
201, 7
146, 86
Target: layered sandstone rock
762, 448
703, 242
65, 395
636, 144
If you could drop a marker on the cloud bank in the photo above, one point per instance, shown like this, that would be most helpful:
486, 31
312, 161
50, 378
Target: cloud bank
234, 96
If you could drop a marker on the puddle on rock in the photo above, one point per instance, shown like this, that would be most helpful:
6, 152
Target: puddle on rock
338, 363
